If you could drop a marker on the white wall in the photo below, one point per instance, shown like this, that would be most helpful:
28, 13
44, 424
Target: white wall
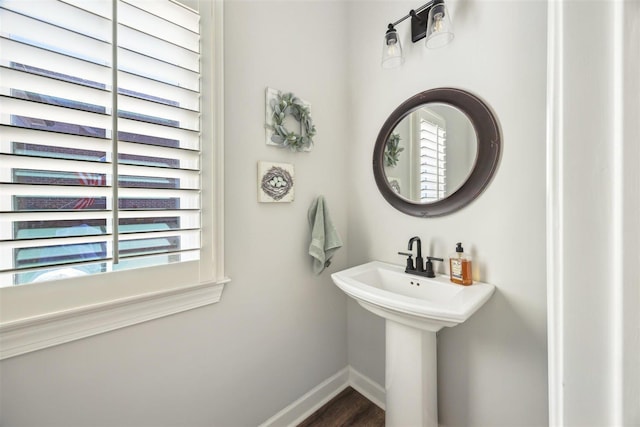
279, 330
493, 369
630, 225
595, 213
460, 146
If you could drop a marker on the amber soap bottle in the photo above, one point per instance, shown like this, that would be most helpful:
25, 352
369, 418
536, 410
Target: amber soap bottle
460, 267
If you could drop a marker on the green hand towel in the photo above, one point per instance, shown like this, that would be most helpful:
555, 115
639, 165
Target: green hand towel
325, 239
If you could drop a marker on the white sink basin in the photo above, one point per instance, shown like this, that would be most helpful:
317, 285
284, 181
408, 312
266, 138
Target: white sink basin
414, 308
421, 302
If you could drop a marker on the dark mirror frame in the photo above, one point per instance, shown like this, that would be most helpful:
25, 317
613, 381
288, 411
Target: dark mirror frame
488, 153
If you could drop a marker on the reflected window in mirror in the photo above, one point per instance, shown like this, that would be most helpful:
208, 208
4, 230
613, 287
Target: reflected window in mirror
430, 153
431, 137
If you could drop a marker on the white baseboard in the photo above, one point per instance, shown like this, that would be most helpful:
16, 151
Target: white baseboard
314, 399
367, 387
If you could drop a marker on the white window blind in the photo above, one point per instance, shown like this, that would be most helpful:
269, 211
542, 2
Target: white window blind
99, 146
432, 158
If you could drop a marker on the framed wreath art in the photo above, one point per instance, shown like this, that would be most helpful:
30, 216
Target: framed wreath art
280, 106
392, 150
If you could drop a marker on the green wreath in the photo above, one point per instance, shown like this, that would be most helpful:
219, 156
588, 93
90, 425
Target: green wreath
393, 150
282, 105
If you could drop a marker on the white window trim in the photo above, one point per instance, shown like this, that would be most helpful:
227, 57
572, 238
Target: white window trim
42, 325
39, 332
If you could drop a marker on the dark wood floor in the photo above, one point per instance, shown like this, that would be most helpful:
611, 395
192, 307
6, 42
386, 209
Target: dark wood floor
348, 408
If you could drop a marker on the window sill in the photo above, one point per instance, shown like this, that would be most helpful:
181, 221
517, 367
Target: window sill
39, 332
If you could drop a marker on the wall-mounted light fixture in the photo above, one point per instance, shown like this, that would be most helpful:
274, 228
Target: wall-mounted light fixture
430, 21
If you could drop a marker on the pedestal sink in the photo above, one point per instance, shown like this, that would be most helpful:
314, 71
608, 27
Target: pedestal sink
414, 308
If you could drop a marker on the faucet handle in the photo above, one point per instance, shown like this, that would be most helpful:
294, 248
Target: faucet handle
429, 266
410, 266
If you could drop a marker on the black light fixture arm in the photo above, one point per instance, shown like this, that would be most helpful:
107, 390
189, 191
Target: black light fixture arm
414, 12
414, 15
418, 20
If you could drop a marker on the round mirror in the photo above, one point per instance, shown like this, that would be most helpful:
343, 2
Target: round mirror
430, 153
436, 152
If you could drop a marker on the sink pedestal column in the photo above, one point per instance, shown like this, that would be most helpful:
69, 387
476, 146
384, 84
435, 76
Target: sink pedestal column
410, 377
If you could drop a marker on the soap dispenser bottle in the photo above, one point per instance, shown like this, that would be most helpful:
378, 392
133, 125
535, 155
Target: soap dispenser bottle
460, 267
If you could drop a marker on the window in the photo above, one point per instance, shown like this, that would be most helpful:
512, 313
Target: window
62, 147
432, 167
105, 165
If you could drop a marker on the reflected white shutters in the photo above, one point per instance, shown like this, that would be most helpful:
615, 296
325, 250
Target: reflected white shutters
432, 137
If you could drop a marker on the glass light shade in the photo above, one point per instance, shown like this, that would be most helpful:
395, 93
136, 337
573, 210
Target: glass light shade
392, 56
439, 28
